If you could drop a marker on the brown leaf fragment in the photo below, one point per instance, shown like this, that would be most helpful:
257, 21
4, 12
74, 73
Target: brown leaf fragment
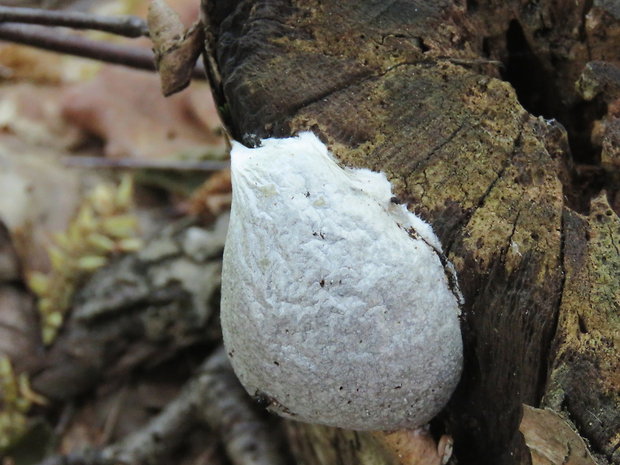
176, 49
213, 197
9, 266
37, 197
19, 329
551, 439
124, 109
19, 333
416, 447
165, 26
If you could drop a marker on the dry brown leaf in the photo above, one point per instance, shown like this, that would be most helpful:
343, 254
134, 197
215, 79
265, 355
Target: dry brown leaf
213, 197
176, 49
416, 447
126, 110
188, 10
20, 340
9, 264
551, 439
38, 196
18, 62
165, 26
33, 114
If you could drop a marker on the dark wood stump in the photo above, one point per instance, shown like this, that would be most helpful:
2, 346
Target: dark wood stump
471, 110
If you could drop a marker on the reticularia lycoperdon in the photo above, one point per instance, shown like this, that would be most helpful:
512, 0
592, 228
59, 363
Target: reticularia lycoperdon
337, 306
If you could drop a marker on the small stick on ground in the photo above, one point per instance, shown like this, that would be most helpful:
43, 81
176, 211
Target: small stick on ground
127, 26
48, 39
135, 164
213, 398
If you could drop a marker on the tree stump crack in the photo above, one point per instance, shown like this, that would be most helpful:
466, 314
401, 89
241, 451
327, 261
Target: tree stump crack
481, 201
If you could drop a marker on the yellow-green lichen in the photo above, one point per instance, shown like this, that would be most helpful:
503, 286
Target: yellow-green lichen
16, 398
103, 226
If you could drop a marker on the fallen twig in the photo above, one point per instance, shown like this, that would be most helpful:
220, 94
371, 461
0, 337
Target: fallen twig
226, 408
135, 164
46, 38
127, 26
214, 397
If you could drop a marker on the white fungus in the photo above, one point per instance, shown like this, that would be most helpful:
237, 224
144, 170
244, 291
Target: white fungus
337, 307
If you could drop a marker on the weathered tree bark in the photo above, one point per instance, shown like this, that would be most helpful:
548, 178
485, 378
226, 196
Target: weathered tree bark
419, 90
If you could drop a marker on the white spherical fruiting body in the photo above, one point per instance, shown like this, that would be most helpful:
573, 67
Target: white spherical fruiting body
337, 306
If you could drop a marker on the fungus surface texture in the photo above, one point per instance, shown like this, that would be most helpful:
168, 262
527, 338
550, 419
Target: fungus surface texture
337, 306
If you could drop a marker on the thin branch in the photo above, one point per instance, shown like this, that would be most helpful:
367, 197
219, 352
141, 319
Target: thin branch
132, 163
213, 397
127, 26
226, 408
48, 39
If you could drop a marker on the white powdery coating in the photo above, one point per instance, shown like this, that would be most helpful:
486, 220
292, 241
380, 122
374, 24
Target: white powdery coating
332, 310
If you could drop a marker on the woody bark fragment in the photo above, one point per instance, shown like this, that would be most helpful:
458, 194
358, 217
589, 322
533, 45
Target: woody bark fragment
176, 48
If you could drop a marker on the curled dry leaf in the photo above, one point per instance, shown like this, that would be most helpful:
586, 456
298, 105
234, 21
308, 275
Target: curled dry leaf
176, 49
551, 439
165, 26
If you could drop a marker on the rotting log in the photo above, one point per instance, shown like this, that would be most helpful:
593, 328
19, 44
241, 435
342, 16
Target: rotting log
458, 103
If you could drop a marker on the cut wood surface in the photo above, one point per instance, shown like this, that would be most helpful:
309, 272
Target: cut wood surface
457, 103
